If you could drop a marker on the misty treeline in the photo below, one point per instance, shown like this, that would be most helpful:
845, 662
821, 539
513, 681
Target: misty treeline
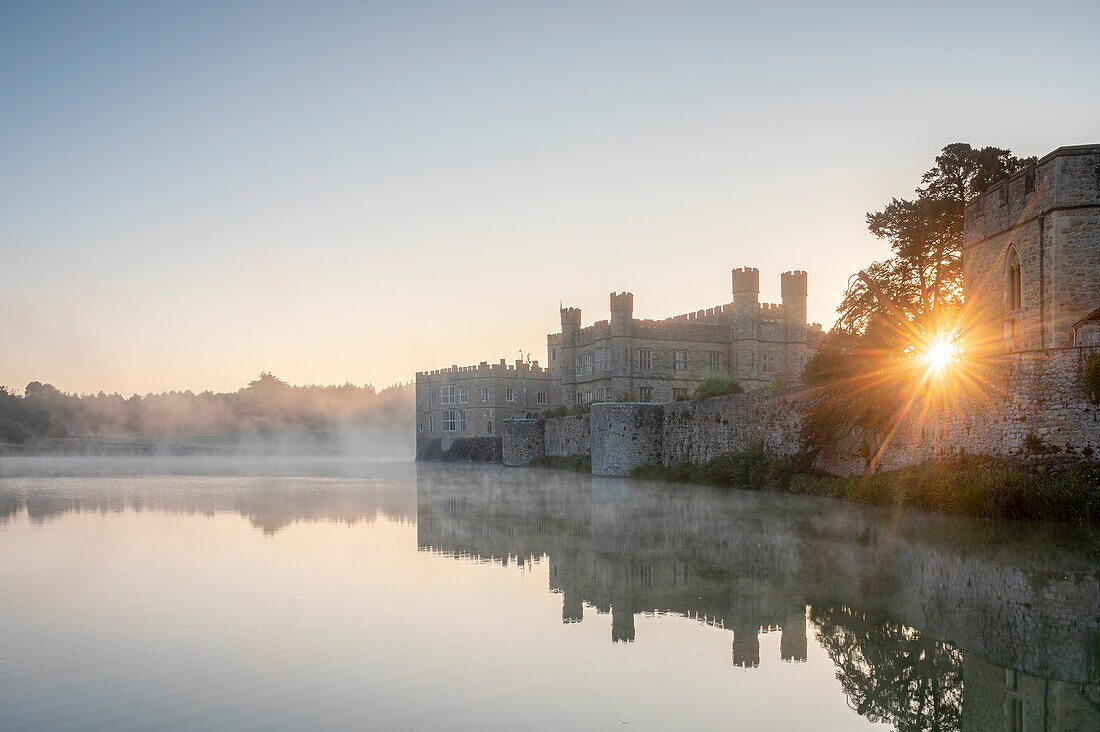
267, 407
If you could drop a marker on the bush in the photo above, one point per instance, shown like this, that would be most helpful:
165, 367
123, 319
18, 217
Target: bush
970, 486
1091, 379
717, 385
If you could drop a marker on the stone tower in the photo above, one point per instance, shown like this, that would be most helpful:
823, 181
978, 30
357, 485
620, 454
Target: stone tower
746, 290
570, 331
793, 288
622, 319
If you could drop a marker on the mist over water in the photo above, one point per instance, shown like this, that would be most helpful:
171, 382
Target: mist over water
214, 591
268, 417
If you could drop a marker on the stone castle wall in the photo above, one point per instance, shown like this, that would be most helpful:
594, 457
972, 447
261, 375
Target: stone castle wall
1049, 216
524, 440
1028, 406
568, 436
625, 435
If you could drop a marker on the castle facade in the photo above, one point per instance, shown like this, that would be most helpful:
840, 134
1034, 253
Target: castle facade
1031, 256
628, 359
466, 405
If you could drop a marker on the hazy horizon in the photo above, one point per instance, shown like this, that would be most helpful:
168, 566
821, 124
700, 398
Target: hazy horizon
195, 193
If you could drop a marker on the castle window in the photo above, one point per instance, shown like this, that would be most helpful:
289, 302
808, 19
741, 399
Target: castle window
462, 420
540, 397
449, 420
446, 395
587, 363
1013, 299
553, 354
771, 362
603, 359
484, 394
588, 397
578, 366
510, 395
645, 358
489, 427
679, 360
421, 426
645, 393
431, 423
679, 395
579, 397
463, 395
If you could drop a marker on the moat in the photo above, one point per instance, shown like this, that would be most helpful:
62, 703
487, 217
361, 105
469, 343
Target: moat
220, 594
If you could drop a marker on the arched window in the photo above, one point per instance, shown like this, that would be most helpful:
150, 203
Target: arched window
1013, 300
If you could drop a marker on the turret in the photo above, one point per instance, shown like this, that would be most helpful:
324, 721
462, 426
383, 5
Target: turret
622, 312
793, 286
570, 324
746, 289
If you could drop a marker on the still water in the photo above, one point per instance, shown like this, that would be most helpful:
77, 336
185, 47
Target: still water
188, 594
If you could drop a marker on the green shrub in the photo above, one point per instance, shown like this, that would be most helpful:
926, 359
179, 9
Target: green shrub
965, 485
1091, 379
716, 385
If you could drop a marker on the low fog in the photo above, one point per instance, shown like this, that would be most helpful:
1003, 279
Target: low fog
268, 417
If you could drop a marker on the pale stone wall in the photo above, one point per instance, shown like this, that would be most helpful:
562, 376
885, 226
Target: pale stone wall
625, 435
698, 432
484, 416
524, 439
1021, 400
568, 435
1049, 215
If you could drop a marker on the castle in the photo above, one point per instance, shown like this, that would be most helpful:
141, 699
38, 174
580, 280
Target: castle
460, 410
467, 405
1031, 285
627, 359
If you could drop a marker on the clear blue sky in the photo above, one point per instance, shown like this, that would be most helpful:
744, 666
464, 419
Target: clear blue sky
194, 192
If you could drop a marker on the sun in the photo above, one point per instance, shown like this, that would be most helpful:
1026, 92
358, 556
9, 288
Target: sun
940, 353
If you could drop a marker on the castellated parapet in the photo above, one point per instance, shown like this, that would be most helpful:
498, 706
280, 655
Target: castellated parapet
631, 359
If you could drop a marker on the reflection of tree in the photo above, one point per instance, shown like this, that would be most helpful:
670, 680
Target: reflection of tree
890, 672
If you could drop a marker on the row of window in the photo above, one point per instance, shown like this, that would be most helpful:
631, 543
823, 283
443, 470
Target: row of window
449, 394
583, 363
454, 420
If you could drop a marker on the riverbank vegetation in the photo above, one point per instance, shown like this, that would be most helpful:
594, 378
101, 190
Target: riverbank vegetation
576, 463
968, 486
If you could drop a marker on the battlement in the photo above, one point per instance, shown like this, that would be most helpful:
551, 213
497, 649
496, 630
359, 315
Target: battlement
486, 369
1064, 178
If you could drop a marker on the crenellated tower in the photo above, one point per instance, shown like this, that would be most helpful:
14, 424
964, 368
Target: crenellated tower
746, 290
793, 288
622, 320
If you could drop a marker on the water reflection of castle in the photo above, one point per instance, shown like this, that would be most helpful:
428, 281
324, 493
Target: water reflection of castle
993, 633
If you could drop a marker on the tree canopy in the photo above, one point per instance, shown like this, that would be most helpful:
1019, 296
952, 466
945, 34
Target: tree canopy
896, 309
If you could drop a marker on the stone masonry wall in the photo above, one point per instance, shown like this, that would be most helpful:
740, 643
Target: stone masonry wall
524, 439
625, 435
697, 432
1026, 406
568, 436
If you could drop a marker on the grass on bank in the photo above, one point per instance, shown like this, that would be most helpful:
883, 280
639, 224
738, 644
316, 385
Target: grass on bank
969, 486
576, 463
